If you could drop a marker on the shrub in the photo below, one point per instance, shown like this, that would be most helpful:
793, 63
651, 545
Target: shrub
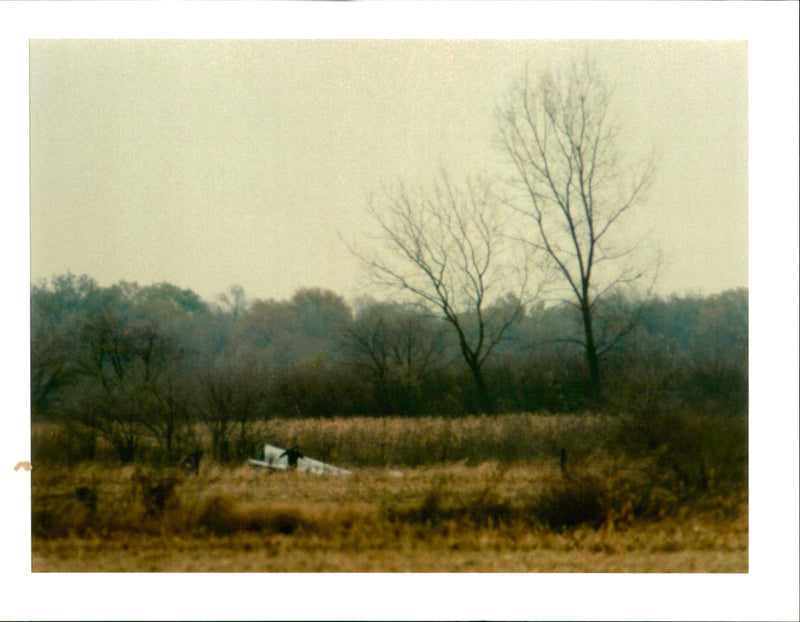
219, 515
69, 443
156, 492
283, 519
571, 502
703, 452
59, 515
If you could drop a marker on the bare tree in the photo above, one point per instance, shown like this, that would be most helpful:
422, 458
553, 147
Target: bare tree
448, 248
576, 188
234, 301
396, 346
232, 396
122, 366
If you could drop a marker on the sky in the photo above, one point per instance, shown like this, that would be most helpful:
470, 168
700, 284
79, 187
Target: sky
209, 163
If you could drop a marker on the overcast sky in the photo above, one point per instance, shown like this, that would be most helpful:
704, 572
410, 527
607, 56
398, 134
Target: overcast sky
213, 163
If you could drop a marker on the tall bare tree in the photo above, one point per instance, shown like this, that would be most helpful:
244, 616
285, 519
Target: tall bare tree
234, 301
448, 247
576, 188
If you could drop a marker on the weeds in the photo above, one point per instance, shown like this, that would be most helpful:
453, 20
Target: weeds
656, 481
222, 516
369, 441
376, 516
704, 454
571, 503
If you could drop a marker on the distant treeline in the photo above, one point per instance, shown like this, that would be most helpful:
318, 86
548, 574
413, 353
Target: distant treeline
134, 364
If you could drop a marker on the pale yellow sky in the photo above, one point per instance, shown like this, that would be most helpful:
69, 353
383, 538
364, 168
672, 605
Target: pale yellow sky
212, 163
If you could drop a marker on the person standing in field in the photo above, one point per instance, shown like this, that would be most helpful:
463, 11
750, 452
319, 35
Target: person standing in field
292, 455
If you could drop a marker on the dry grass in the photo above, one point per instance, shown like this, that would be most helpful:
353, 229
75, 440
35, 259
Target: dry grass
491, 517
253, 553
385, 441
409, 442
426, 494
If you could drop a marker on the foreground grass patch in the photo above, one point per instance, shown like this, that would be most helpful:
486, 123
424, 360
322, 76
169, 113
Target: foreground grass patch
489, 517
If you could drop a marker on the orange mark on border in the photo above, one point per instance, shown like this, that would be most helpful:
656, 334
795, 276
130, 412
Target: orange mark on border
23, 465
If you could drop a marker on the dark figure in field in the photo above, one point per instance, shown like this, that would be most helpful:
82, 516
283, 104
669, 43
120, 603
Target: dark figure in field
191, 462
292, 455
563, 461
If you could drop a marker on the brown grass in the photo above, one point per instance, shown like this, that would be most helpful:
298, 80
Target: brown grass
387, 441
426, 494
446, 518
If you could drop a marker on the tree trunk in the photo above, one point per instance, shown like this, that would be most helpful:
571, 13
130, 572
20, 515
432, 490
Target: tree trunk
592, 359
168, 437
381, 396
485, 402
126, 450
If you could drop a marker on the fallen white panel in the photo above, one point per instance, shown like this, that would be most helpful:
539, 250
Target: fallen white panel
273, 457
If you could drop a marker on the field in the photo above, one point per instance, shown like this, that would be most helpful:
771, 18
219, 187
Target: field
461, 511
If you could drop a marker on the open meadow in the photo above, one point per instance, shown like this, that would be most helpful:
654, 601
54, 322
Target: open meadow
471, 494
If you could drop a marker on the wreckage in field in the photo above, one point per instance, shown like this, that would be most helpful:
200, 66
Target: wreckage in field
272, 457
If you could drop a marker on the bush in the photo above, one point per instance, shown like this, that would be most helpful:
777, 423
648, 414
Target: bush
714, 382
53, 443
703, 452
156, 493
219, 516
551, 381
572, 502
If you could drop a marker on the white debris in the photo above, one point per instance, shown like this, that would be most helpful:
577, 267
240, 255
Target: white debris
272, 457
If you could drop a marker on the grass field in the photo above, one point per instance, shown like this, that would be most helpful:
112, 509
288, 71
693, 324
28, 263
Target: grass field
606, 513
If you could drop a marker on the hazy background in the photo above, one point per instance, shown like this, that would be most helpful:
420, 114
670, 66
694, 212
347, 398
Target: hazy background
212, 163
